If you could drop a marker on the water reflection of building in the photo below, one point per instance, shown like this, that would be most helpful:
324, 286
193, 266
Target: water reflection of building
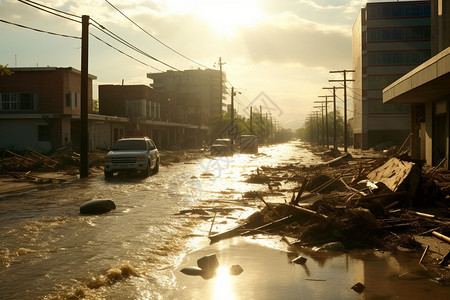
427, 89
389, 40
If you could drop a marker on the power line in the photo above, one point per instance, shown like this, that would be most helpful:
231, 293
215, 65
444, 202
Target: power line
47, 10
124, 52
40, 30
124, 42
152, 36
100, 27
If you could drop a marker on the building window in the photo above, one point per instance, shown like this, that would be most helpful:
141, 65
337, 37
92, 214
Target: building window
398, 58
44, 133
398, 11
399, 34
26, 101
17, 101
9, 102
68, 99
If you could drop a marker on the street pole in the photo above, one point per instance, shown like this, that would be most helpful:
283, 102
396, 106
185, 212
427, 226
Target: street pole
251, 120
323, 127
232, 115
334, 88
345, 101
261, 122
84, 134
326, 116
221, 85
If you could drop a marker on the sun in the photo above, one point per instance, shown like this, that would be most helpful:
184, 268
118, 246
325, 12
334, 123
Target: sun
224, 16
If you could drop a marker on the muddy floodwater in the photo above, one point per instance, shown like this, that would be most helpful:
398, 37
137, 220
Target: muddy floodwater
49, 251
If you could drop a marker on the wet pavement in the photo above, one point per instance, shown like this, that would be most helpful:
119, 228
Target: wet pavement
49, 251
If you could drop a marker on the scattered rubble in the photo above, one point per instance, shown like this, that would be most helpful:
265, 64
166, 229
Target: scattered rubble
207, 268
346, 203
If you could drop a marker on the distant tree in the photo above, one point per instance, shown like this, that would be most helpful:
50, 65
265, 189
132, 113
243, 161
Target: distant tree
312, 129
4, 71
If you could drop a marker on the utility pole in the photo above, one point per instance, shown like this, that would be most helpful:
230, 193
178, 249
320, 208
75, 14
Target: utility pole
84, 134
334, 88
221, 84
323, 127
326, 115
261, 122
345, 101
251, 119
232, 114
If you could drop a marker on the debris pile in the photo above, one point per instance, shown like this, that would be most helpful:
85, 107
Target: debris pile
377, 202
29, 165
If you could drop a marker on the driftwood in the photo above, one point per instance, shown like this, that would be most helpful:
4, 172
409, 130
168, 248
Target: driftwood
268, 206
441, 236
273, 225
42, 156
19, 156
229, 233
300, 192
424, 253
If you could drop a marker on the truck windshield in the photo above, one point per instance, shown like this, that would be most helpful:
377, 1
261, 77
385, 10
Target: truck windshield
130, 145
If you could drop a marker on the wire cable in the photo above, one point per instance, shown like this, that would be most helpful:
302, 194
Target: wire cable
124, 52
124, 42
152, 36
40, 30
48, 10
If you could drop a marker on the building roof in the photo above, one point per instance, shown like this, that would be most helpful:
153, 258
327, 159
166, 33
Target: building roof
427, 82
47, 69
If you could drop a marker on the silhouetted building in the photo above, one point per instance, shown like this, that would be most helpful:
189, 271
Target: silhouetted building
389, 40
195, 95
427, 89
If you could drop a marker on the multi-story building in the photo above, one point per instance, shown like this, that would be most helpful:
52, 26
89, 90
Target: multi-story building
427, 89
196, 95
149, 113
389, 40
39, 107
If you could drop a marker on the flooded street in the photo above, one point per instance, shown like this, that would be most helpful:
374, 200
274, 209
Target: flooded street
49, 251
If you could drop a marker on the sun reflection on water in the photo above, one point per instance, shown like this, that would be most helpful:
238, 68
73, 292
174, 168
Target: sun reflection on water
223, 288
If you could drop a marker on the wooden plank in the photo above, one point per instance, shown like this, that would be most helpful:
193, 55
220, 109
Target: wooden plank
441, 236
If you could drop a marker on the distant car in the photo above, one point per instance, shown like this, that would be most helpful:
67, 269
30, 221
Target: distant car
132, 154
222, 147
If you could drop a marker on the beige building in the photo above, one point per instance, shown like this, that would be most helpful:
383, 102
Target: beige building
195, 95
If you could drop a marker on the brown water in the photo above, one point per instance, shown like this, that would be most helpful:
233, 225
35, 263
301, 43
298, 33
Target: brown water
270, 274
49, 251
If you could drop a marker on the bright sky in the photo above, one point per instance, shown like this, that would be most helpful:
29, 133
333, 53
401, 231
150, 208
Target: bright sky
283, 48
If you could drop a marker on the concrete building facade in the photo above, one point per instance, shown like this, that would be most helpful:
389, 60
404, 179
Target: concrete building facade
427, 89
38, 107
195, 96
149, 114
389, 40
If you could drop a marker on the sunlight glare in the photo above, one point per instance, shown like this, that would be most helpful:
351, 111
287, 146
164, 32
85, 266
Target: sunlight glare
223, 289
224, 16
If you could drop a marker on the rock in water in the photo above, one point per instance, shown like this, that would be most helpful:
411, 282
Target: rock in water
97, 206
193, 271
208, 263
359, 287
236, 270
299, 260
